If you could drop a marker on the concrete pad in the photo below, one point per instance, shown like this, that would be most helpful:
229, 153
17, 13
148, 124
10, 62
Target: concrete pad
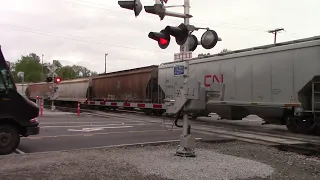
135, 163
208, 165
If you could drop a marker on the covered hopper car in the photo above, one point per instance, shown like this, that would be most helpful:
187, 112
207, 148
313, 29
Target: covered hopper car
21, 89
41, 89
73, 90
278, 82
129, 89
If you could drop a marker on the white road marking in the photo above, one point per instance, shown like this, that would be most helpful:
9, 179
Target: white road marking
89, 122
97, 128
18, 151
253, 120
91, 125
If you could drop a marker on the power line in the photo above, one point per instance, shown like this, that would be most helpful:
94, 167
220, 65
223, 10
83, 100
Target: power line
275, 31
112, 8
117, 9
75, 38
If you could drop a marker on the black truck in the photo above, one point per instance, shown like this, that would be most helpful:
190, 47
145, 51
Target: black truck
18, 115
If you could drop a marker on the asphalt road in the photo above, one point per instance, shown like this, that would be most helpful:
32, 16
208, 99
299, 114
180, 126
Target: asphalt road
65, 131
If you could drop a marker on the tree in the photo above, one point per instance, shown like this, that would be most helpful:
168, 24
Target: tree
225, 50
31, 67
34, 56
11, 65
222, 51
82, 71
93, 73
57, 64
66, 72
203, 54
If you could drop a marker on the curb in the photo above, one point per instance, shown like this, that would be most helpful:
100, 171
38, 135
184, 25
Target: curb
155, 143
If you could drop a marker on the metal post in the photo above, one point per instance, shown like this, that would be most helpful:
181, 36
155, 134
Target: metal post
78, 110
52, 90
41, 106
52, 102
42, 68
22, 87
105, 62
186, 22
187, 142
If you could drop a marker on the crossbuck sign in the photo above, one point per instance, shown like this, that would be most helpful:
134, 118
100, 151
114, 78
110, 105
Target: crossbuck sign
52, 70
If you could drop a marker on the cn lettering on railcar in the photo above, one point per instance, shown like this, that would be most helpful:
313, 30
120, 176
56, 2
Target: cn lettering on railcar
213, 78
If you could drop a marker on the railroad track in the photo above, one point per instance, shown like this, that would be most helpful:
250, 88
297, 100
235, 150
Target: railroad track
303, 144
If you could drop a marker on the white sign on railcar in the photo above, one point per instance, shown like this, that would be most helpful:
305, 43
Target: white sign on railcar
178, 70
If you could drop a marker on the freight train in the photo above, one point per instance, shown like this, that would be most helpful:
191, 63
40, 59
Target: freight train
279, 82
129, 89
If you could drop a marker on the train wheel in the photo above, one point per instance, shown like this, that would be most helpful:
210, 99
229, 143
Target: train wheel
193, 116
301, 125
158, 113
291, 126
147, 112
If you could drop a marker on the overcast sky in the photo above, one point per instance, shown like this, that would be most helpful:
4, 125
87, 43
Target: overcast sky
82, 31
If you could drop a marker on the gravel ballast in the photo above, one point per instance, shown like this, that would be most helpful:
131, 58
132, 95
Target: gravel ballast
232, 160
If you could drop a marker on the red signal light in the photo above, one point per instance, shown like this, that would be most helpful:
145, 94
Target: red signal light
162, 37
163, 41
57, 80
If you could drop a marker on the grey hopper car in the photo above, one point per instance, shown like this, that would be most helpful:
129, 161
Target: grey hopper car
21, 89
73, 89
276, 82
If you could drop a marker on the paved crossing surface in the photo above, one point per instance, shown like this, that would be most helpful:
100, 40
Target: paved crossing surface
65, 131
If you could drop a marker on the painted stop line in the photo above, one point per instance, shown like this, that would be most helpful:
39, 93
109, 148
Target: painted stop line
98, 128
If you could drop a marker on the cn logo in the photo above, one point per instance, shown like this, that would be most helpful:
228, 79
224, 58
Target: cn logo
209, 79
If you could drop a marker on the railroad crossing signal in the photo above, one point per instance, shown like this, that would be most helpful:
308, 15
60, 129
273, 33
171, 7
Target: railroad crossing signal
158, 9
209, 39
134, 5
162, 37
182, 35
51, 74
49, 79
52, 71
57, 80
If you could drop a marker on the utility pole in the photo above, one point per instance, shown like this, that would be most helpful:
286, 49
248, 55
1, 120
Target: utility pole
42, 67
105, 62
275, 31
